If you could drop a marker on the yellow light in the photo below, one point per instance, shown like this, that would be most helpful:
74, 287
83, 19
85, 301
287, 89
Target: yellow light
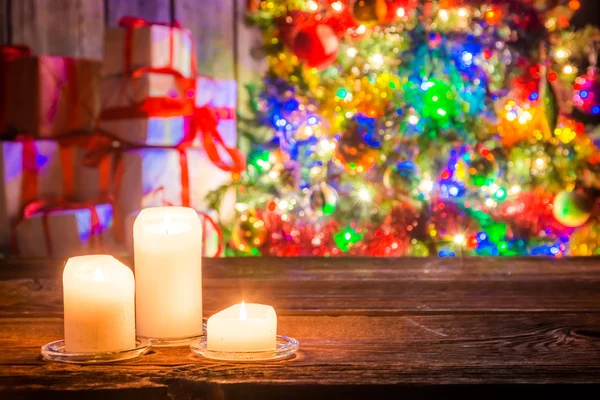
569, 69
364, 194
400, 12
463, 12
459, 239
351, 52
312, 5
337, 6
443, 14
539, 162
426, 185
361, 29
515, 189
376, 60
413, 120
561, 54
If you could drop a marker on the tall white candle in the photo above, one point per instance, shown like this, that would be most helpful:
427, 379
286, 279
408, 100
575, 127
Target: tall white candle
243, 327
98, 304
168, 273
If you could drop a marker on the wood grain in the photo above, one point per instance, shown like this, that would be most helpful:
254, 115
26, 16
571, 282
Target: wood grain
151, 10
212, 25
423, 328
4, 22
72, 28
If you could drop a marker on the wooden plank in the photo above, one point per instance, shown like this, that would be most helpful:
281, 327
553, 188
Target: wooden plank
416, 350
250, 64
377, 297
211, 23
72, 28
151, 10
332, 286
4, 22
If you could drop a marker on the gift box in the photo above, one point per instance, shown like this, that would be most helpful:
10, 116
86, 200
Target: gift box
157, 177
150, 131
48, 96
221, 97
210, 235
37, 169
144, 45
124, 91
66, 232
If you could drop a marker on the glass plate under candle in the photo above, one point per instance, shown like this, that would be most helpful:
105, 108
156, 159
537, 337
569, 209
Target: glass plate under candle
284, 347
173, 342
55, 351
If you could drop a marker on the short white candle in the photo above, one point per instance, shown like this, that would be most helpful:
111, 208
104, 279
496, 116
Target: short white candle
98, 304
168, 273
243, 328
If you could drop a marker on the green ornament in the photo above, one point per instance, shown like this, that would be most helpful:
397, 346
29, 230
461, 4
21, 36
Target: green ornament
482, 170
572, 209
346, 238
549, 102
323, 199
438, 100
417, 249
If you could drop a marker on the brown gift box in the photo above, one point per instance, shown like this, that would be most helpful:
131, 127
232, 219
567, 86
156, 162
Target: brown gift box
48, 96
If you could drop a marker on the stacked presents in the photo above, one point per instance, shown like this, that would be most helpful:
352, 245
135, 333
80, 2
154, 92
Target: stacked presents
86, 145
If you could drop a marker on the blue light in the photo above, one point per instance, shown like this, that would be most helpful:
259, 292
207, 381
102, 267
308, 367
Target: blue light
533, 96
584, 94
481, 237
312, 120
596, 110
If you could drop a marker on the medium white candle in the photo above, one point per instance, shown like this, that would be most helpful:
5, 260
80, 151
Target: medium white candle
243, 327
98, 304
168, 273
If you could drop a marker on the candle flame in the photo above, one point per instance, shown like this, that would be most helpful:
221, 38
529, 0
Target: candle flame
98, 275
243, 315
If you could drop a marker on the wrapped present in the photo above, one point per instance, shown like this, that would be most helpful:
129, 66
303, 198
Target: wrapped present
138, 44
66, 232
148, 92
36, 169
48, 96
150, 131
220, 98
30, 170
155, 177
212, 240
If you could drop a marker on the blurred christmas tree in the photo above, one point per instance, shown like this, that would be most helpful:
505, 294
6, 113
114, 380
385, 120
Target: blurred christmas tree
414, 127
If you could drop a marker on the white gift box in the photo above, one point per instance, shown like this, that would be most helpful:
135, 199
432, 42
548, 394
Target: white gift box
151, 131
48, 181
48, 178
219, 95
150, 47
152, 177
126, 91
210, 237
69, 231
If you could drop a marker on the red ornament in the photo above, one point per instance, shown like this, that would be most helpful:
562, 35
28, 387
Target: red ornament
494, 15
316, 44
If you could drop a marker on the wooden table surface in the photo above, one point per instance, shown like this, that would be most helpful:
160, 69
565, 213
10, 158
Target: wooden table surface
474, 328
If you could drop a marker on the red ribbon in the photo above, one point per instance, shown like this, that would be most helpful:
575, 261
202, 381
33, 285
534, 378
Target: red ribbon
207, 219
206, 123
48, 205
132, 23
